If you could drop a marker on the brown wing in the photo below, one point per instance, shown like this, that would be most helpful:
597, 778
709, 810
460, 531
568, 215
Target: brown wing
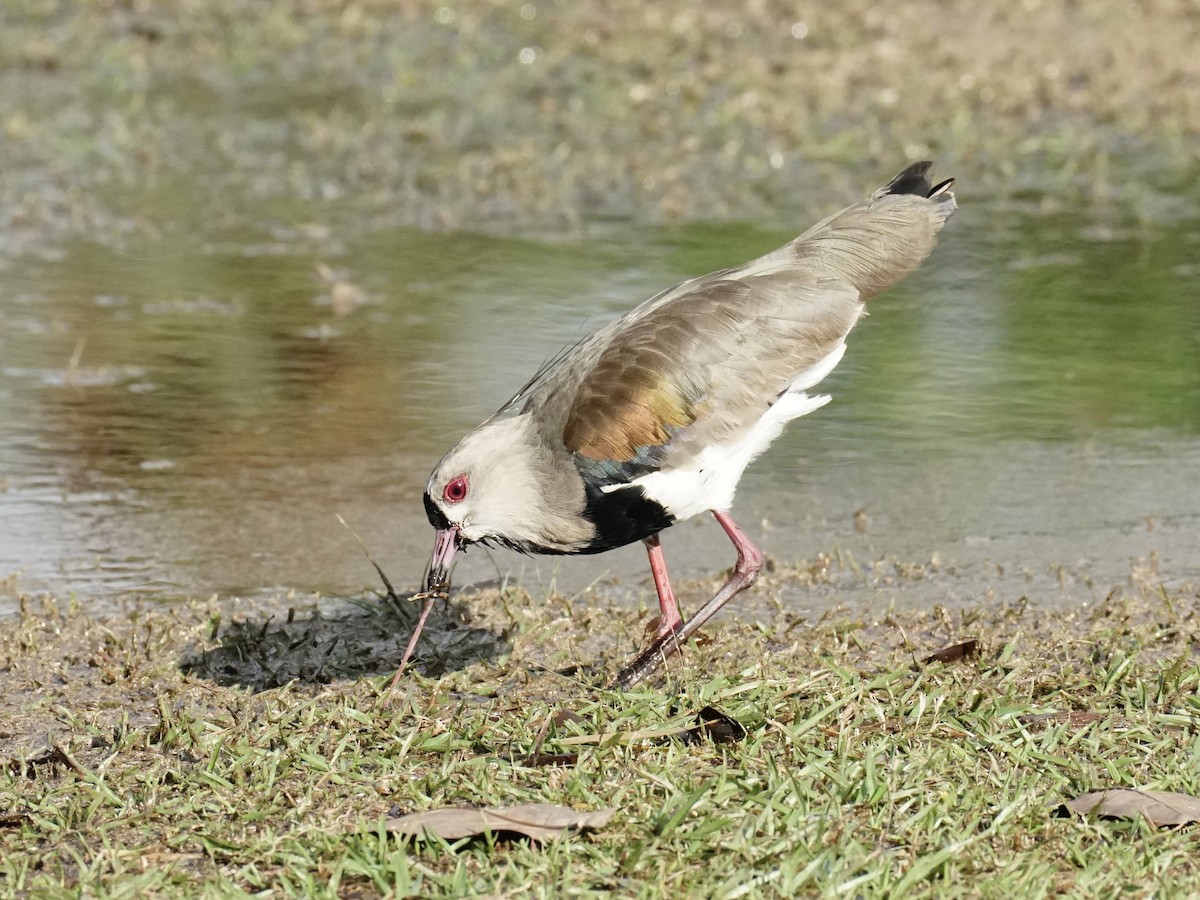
705, 364
708, 357
646, 385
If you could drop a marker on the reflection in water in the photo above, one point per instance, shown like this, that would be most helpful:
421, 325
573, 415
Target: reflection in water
187, 417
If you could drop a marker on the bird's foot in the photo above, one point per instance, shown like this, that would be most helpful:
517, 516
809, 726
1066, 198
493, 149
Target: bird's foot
667, 633
662, 626
647, 662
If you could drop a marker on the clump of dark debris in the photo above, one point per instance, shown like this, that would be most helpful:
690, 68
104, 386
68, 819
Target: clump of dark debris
319, 647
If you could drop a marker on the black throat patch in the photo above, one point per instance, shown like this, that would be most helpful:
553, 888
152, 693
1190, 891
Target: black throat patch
622, 516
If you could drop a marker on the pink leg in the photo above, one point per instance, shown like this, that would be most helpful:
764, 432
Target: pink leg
669, 620
745, 573
750, 558
412, 641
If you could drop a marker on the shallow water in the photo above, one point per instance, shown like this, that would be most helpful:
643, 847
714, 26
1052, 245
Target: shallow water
186, 411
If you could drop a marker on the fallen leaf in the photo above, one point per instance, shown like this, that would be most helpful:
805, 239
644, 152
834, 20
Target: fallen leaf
14, 819
539, 821
713, 724
954, 653
1158, 807
537, 757
563, 716
52, 758
1074, 718
540, 759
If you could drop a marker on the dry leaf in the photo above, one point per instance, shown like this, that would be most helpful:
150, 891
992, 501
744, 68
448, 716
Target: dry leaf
539, 821
53, 758
713, 724
1158, 807
539, 759
954, 653
1074, 718
563, 716
14, 819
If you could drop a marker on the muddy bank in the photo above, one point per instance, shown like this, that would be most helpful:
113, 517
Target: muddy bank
65, 672
445, 116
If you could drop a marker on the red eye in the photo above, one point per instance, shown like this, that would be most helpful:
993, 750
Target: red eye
456, 490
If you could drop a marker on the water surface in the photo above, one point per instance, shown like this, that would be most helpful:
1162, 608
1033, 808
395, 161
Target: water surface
186, 411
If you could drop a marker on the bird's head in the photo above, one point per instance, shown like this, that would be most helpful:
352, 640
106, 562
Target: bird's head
503, 484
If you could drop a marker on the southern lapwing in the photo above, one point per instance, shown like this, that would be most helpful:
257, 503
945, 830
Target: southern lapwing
653, 418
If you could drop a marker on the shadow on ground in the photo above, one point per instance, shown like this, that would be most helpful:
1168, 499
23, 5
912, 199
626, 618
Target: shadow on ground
364, 639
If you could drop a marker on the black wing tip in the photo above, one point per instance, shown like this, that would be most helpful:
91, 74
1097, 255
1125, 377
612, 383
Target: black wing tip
915, 180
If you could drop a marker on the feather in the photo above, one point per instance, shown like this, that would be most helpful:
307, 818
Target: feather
702, 362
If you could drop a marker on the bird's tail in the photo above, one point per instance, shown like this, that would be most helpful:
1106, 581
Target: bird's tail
878, 242
915, 180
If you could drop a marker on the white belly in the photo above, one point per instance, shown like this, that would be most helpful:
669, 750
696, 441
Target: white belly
710, 480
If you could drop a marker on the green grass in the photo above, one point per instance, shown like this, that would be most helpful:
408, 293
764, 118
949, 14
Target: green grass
131, 768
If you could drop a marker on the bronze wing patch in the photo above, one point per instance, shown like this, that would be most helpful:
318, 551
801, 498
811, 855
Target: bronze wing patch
647, 384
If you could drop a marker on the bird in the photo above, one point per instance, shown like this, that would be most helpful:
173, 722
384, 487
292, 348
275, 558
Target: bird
653, 418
